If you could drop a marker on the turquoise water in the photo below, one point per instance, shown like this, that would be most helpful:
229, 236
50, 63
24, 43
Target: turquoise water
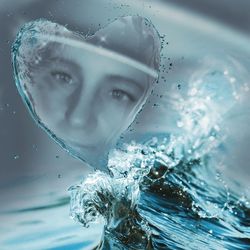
166, 190
157, 198
35, 212
160, 201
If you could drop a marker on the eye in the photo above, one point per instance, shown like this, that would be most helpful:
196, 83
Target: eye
62, 77
121, 95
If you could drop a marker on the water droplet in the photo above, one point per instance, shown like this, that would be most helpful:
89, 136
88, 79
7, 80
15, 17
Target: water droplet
232, 79
180, 124
156, 105
16, 157
34, 147
246, 87
193, 92
211, 138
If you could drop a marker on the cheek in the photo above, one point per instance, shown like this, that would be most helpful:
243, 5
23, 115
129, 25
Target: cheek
116, 110
113, 117
50, 106
48, 97
112, 121
47, 101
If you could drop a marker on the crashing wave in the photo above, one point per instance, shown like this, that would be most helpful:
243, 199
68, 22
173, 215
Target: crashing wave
184, 194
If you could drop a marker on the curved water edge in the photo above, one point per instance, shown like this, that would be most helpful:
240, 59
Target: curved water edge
168, 190
51, 63
156, 198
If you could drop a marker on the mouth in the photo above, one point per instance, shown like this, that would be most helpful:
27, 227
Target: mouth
82, 145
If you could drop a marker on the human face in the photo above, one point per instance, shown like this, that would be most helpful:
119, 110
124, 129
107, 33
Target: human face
86, 99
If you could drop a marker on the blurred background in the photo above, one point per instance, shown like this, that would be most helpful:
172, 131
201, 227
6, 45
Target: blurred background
35, 173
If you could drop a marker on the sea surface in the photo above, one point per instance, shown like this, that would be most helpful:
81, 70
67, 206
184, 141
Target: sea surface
157, 197
166, 190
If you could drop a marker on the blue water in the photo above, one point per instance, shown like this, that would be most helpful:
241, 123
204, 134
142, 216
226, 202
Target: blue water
154, 198
164, 191
35, 212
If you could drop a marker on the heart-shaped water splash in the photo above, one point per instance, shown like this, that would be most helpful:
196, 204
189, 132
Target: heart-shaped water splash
85, 92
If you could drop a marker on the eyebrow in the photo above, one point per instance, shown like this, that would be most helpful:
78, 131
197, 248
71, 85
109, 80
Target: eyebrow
127, 80
61, 59
53, 52
56, 59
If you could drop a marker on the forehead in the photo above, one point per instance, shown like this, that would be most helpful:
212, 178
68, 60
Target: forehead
91, 61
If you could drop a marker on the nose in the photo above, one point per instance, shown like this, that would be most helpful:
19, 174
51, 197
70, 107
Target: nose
80, 112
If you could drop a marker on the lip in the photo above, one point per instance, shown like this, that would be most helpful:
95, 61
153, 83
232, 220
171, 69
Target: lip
80, 145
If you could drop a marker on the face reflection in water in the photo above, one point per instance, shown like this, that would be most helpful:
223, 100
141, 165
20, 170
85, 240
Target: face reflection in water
85, 92
85, 98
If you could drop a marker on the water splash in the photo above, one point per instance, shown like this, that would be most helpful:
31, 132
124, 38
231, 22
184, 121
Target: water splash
168, 193
168, 190
188, 198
